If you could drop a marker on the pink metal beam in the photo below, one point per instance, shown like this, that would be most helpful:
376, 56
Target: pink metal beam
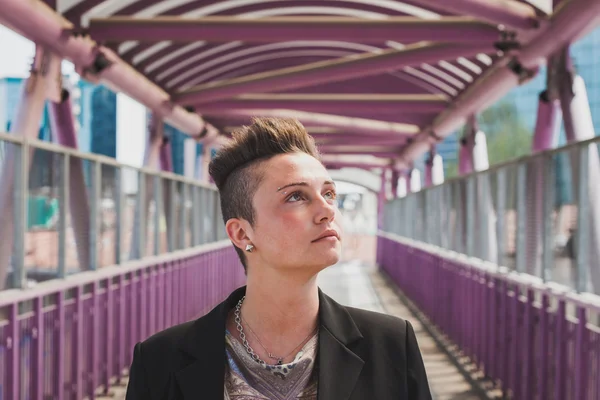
276, 29
508, 12
565, 24
347, 124
332, 103
63, 128
345, 139
42, 25
27, 121
328, 71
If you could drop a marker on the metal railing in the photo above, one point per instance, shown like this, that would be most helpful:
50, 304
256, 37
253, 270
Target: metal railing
78, 211
531, 215
507, 331
73, 337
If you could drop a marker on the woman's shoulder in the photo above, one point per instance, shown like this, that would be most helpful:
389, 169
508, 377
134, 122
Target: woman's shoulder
167, 339
378, 325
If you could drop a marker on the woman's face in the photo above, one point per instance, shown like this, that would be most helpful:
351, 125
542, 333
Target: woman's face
297, 224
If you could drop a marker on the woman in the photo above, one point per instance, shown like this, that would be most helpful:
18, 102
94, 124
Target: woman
280, 337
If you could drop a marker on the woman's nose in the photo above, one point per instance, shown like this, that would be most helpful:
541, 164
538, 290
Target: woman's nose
326, 211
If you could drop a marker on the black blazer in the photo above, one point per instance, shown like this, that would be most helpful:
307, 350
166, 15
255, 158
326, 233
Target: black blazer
362, 355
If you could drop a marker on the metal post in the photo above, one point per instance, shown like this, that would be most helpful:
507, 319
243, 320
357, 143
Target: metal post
95, 189
544, 138
579, 126
470, 216
201, 205
215, 214
46, 67
500, 208
19, 276
62, 218
548, 207
583, 221
194, 216
63, 127
119, 201
158, 211
381, 199
152, 155
183, 224
521, 211
172, 215
141, 211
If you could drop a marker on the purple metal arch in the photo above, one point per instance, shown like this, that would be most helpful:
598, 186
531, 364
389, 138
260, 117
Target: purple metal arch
333, 103
301, 57
565, 24
349, 139
277, 29
337, 70
213, 57
194, 6
42, 25
274, 61
244, 8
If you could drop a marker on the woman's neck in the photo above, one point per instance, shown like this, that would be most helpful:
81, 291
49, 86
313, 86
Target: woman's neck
281, 310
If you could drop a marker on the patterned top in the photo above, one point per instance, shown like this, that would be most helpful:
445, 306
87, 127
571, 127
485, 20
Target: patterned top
246, 379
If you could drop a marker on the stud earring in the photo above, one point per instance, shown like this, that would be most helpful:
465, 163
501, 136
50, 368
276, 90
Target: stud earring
249, 248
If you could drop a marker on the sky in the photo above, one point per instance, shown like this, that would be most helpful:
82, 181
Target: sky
131, 120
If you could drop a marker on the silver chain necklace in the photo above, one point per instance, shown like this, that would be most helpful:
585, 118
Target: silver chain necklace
255, 357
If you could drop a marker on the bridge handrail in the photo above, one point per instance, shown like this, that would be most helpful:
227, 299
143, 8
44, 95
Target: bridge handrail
525, 281
516, 214
105, 160
13, 296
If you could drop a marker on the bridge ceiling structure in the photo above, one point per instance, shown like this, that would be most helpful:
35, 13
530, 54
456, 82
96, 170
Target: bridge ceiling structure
382, 79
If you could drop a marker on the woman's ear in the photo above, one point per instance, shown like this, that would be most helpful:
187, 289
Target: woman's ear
238, 232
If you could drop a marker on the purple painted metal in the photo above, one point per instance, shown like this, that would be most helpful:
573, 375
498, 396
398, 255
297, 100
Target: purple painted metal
44, 26
332, 103
545, 137
529, 348
347, 124
273, 29
565, 24
465, 156
29, 114
506, 12
381, 197
548, 115
579, 126
82, 330
63, 127
384, 152
395, 178
354, 139
329, 71
429, 170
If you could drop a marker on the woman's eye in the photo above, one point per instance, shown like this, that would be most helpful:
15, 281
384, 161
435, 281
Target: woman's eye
296, 196
330, 195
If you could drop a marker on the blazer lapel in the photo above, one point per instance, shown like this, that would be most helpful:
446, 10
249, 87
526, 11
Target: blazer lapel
339, 366
204, 376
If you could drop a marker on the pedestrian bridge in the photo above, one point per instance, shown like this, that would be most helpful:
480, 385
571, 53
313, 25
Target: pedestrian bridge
498, 268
